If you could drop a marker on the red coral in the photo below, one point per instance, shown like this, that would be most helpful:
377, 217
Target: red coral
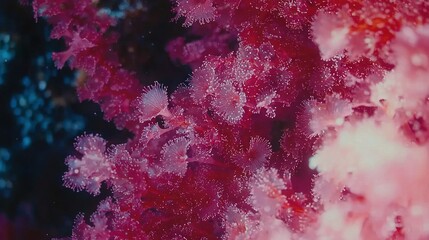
274, 84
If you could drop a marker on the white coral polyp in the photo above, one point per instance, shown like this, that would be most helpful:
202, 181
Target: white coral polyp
336, 223
383, 168
359, 148
331, 113
406, 86
331, 33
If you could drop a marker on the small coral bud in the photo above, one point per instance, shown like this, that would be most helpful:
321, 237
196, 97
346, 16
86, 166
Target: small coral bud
92, 168
203, 82
321, 116
193, 11
265, 101
257, 154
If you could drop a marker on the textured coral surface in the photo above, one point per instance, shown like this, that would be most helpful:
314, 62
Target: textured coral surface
301, 119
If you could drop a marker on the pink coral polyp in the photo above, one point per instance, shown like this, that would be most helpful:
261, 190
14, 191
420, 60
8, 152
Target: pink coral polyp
153, 102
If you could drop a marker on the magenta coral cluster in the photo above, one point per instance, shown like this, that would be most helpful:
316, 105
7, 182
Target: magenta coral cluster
301, 120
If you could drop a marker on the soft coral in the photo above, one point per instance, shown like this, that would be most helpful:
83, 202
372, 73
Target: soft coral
219, 157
